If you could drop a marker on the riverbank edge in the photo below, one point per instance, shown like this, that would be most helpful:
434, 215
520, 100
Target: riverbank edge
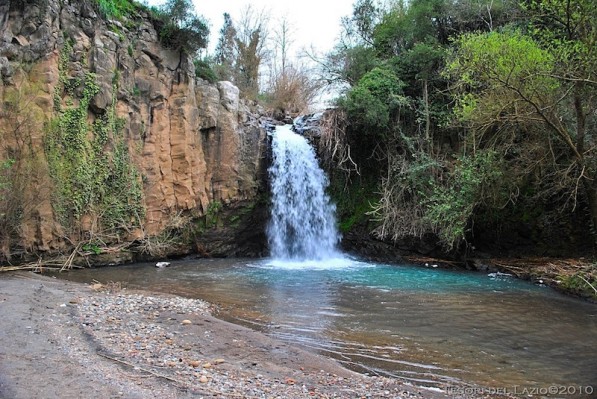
572, 276
575, 277
47, 334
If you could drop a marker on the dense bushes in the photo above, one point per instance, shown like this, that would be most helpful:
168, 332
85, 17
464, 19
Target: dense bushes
176, 22
181, 28
374, 101
464, 108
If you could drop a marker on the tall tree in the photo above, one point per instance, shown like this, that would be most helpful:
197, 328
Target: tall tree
405, 139
251, 47
289, 87
360, 25
225, 49
283, 41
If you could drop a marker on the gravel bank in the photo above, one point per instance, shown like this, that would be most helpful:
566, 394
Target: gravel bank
65, 340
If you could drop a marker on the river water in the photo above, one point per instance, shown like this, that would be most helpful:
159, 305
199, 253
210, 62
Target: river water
422, 325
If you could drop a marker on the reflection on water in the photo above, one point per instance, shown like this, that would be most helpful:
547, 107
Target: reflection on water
418, 324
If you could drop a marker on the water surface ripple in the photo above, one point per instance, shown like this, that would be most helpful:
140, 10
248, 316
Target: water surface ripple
418, 324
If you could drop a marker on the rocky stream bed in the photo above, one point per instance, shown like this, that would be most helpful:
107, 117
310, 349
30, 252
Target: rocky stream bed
66, 340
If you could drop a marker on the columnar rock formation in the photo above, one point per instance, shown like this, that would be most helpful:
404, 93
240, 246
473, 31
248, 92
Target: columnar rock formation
190, 142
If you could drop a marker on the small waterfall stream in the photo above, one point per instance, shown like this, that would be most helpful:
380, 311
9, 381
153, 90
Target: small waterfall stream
302, 225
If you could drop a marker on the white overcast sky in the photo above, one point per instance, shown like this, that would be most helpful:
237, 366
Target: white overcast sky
313, 22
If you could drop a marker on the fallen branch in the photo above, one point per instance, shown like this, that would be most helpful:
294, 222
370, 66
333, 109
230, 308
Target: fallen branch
69, 261
36, 267
508, 266
140, 368
22, 267
60, 263
590, 285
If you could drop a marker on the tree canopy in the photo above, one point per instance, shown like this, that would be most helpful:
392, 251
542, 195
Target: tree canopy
474, 106
181, 28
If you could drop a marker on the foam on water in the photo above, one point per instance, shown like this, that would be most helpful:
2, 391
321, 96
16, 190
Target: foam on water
331, 263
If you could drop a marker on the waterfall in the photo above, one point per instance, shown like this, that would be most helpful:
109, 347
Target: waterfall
302, 225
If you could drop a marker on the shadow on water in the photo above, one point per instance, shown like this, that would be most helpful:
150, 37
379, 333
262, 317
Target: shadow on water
417, 324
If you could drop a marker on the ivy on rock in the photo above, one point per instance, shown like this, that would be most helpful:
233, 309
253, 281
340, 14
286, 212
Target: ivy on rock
89, 160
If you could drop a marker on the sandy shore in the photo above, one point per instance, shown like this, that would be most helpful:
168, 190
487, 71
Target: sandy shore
66, 340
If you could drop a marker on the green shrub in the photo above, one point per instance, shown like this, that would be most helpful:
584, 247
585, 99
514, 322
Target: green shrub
116, 9
212, 214
353, 202
582, 283
373, 102
204, 71
5, 167
180, 28
475, 180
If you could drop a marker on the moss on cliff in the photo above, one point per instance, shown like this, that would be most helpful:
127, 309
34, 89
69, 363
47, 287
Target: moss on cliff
353, 200
116, 156
89, 160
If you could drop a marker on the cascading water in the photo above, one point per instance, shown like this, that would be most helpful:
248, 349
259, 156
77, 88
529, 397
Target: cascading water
302, 225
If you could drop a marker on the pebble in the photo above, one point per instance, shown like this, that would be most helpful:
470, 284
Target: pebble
126, 325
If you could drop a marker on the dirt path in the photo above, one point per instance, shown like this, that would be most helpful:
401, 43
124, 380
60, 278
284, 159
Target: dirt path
64, 340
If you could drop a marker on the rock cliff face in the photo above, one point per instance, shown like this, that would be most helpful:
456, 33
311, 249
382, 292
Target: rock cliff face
108, 136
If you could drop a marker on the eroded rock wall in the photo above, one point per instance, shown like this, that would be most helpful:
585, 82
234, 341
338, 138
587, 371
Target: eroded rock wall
192, 143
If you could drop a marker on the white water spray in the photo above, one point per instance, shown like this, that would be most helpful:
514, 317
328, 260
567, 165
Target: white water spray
302, 225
